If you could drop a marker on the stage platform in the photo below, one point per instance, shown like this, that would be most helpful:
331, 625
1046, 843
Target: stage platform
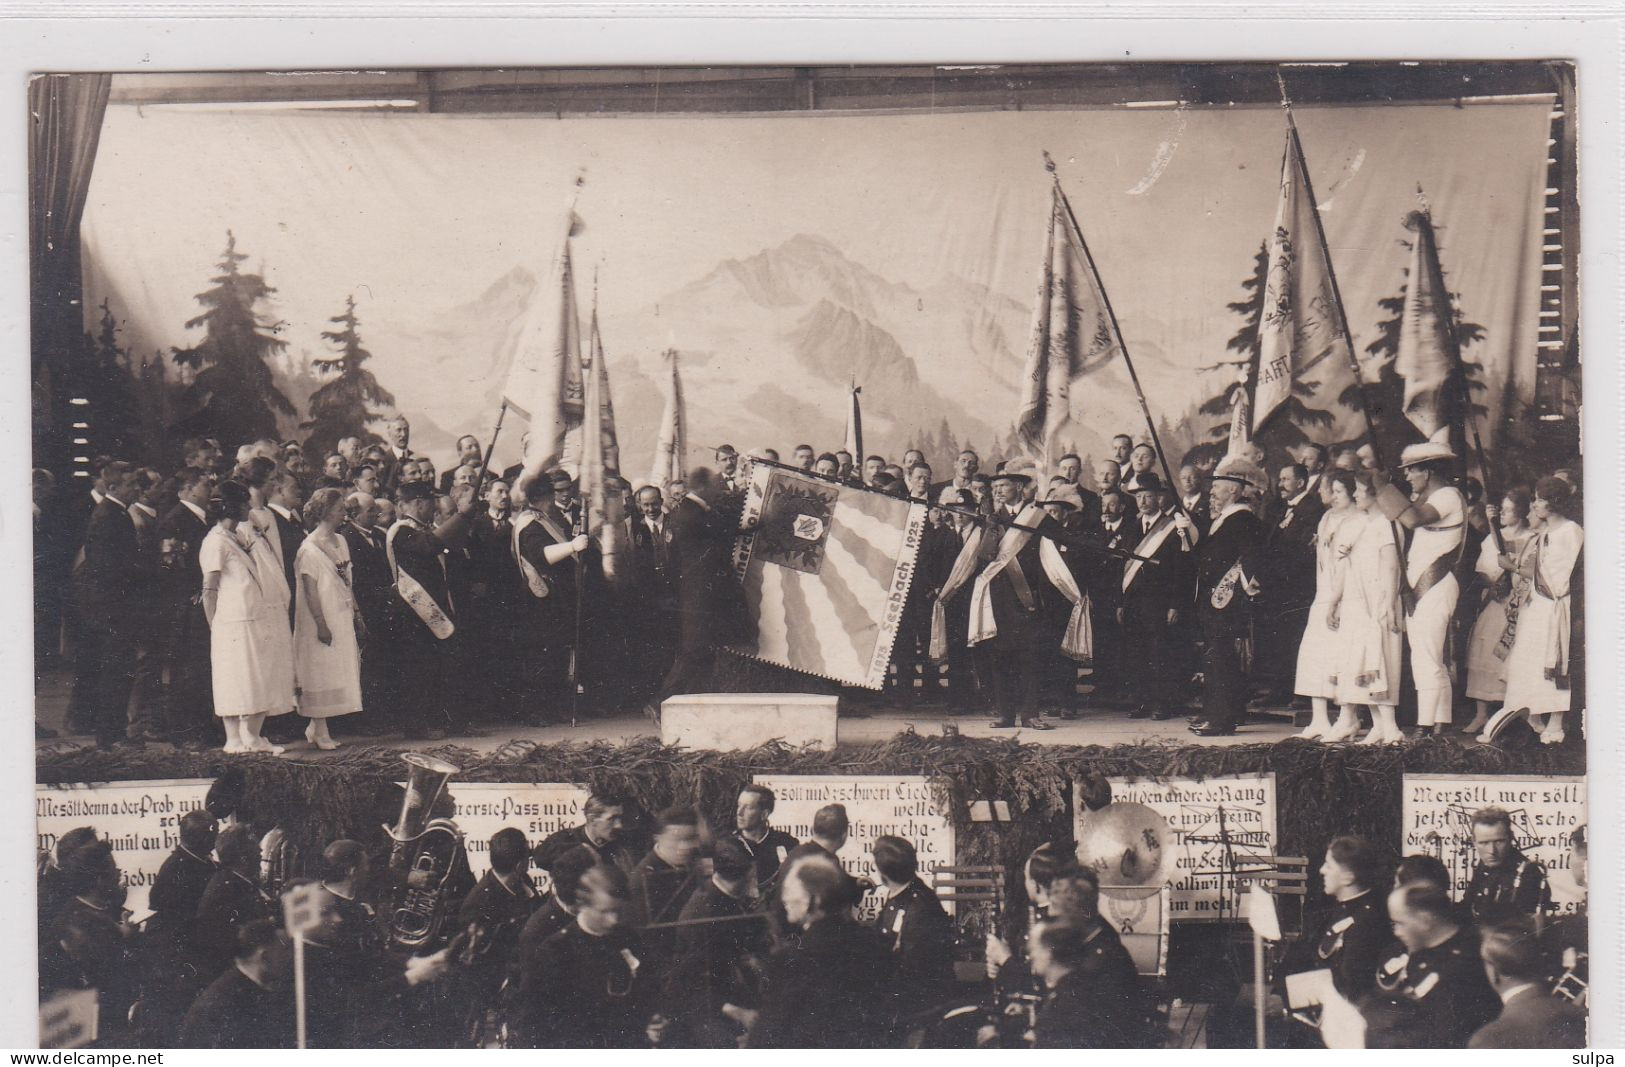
870, 719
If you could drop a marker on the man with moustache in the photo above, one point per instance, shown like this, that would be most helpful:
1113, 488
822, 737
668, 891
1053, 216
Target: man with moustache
1155, 597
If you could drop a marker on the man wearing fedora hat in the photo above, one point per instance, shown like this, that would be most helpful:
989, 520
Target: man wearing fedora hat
1227, 580
1436, 514
1154, 597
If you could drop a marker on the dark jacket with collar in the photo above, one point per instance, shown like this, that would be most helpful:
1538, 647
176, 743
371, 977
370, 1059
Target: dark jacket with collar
921, 938
1533, 1018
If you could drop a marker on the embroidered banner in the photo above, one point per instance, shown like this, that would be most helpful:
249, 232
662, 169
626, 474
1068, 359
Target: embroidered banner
826, 573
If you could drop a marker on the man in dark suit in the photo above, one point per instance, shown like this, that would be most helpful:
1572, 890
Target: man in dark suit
703, 535
495, 586
1193, 497
425, 619
1289, 545
717, 962
109, 583
248, 1006
1530, 1016
146, 711
468, 455
1229, 561
1070, 467
1018, 592
1114, 531
496, 911
190, 713
663, 881
764, 843
1093, 998
548, 554
373, 587
594, 985
283, 497
654, 585
1155, 598
394, 452
918, 931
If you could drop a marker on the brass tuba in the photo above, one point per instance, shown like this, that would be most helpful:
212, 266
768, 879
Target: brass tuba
425, 855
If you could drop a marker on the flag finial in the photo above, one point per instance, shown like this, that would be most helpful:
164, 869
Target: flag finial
1049, 163
1280, 82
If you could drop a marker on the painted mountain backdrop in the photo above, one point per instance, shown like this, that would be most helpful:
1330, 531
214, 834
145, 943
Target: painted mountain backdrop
769, 343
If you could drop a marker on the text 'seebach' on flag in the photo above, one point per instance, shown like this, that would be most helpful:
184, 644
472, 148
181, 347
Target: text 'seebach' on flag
826, 572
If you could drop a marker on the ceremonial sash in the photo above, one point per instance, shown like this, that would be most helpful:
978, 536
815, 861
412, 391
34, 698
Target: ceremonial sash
1077, 641
1432, 576
960, 573
1557, 636
534, 580
1147, 547
1520, 596
417, 598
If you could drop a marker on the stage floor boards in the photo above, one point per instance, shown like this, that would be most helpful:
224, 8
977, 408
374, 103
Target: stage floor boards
871, 720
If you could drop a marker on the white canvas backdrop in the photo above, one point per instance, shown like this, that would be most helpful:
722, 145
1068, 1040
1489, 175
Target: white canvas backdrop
784, 254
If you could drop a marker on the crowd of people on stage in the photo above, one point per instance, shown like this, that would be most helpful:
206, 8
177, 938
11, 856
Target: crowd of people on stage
1414, 967
370, 593
681, 936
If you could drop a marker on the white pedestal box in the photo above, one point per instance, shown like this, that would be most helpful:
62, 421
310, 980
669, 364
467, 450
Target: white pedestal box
733, 721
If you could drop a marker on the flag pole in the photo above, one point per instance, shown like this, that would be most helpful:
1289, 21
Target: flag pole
485, 461
1459, 366
1331, 274
1117, 332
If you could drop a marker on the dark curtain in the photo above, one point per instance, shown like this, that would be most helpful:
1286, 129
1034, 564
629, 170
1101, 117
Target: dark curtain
65, 122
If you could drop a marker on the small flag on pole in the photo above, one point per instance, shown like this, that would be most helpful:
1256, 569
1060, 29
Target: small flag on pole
854, 428
671, 441
1301, 344
601, 464
1072, 334
1426, 354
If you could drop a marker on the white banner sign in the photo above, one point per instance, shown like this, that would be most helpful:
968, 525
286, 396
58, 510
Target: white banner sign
1216, 825
876, 805
1438, 811
536, 808
140, 820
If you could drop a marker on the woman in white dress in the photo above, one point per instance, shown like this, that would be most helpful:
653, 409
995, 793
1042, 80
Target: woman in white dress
1486, 654
1538, 665
327, 658
1317, 652
1368, 621
271, 624
243, 676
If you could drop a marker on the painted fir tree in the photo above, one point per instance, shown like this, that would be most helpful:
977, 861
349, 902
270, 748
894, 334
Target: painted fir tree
342, 407
234, 395
106, 382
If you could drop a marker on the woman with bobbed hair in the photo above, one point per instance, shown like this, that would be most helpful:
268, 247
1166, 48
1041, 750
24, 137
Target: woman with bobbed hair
1538, 663
246, 674
1486, 655
1320, 649
1368, 620
327, 657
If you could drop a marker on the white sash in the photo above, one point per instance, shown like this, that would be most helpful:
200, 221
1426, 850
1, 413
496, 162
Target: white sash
419, 599
1078, 640
1148, 547
534, 581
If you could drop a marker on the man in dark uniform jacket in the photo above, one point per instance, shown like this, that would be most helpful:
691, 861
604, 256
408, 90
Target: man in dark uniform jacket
767, 845
1530, 1016
1227, 579
1436, 970
1504, 882
827, 989
1093, 999
1350, 939
191, 694
185, 874
1289, 545
495, 586
604, 832
547, 553
113, 613
917, 930
662, 882
594, 986
704, 525
1018, 594
427, 622
495, 913
232, 897
717, 962
249, 1005
1155, 598
1115, 530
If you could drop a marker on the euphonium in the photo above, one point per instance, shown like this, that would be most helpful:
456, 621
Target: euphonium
425, 854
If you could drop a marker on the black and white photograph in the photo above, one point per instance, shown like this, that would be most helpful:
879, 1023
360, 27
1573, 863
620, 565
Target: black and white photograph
886, 556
